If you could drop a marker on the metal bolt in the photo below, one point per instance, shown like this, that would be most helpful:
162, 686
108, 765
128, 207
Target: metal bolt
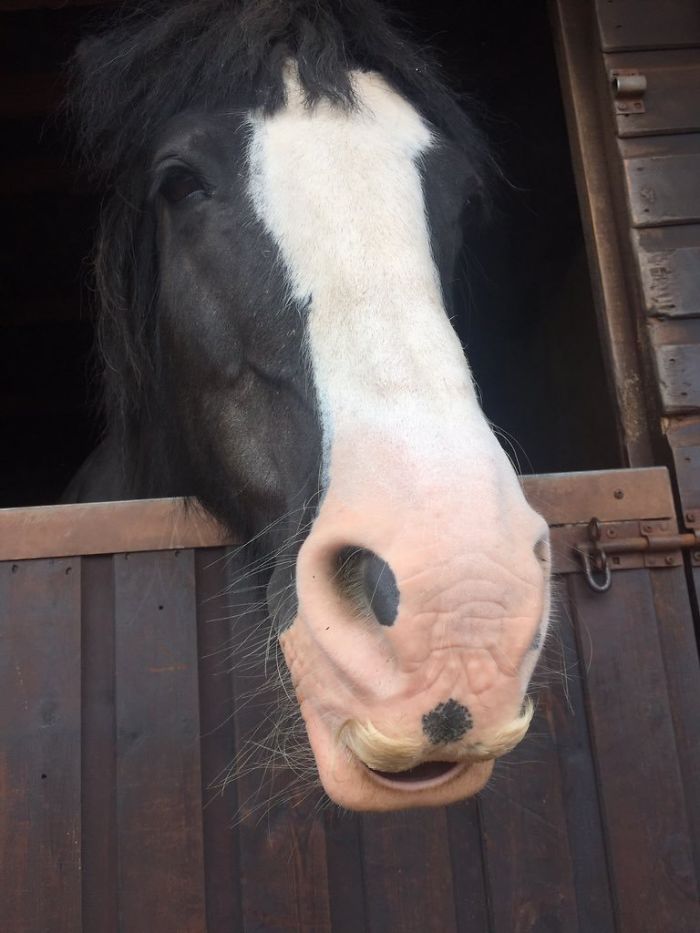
647, 529
690, 517
619, 494
669, 560
616, 560
611, 532
696, 556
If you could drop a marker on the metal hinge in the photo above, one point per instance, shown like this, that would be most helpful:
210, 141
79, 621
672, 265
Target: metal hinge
657, 544
628, 87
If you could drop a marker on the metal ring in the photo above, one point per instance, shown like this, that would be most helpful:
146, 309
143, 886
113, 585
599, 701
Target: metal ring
590, 571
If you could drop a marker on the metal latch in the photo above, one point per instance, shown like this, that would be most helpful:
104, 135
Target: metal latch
628, 87
658, 546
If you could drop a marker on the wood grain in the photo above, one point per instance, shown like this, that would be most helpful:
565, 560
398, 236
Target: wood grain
40, 736
159, 799
99, 750
641, 788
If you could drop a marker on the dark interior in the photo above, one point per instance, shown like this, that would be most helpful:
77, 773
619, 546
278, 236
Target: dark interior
526, 315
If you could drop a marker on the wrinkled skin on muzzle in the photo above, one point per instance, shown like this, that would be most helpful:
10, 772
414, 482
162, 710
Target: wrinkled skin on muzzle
445, 679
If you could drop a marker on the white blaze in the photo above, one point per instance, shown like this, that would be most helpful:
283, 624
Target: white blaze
340, 193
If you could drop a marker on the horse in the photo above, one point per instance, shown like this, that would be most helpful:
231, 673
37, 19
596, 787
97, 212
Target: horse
288, 182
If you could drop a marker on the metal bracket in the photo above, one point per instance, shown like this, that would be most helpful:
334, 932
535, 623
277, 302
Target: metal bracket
657, 544
628, 87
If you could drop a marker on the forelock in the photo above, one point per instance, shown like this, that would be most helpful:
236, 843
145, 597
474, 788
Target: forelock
144, 68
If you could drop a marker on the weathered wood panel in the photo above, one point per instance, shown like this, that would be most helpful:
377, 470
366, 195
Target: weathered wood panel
670, 98
100, 528
468, 876
648, 24
592, 824
662, 182
576, 40
641, 787
218, 744
669, 267
568, 728
40, 744
675, 346
401, 852
158, 781
525, 838
278, 823
99, 748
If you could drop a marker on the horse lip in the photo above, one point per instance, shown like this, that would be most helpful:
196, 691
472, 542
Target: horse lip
382, 777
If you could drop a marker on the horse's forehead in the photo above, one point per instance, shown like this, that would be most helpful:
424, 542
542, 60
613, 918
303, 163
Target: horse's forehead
379, 113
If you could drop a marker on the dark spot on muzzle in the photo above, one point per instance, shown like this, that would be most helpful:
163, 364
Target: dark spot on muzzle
448, 722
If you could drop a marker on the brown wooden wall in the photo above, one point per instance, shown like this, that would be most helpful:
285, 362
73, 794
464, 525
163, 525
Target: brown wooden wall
638, 168
118, 715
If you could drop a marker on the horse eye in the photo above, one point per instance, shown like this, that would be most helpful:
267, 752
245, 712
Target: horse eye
178, 185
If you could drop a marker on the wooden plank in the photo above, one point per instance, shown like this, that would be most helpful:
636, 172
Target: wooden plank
679, 650
646, 24
172, 524
218, 743
568, 726
407, 872
468, 877
678, 367
662, 179
574, 42
346, 887
106, 528
159, 801
684, 440
676, 351
669, 269
615, 495
528, 860
279, 823
642, 791
672, 97
99, 811
40, 746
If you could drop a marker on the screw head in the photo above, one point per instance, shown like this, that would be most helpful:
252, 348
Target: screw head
669, 560
619, 493
690, 517
611, 532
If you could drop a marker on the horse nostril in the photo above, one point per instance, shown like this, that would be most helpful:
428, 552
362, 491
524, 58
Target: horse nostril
370, 581
542, 551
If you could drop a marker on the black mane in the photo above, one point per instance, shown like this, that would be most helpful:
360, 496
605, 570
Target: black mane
144, 68
147, 67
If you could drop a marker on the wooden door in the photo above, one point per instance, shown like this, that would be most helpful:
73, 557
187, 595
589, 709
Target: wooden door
630, 72
121, 711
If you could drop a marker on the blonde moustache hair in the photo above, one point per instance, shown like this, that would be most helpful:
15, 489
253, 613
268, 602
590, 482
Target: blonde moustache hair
385, 753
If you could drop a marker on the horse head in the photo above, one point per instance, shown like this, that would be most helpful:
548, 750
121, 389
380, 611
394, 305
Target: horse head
290, 182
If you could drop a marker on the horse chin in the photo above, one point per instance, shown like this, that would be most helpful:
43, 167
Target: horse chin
354, 786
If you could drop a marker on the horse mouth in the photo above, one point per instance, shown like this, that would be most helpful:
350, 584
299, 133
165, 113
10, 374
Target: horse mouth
429, 774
